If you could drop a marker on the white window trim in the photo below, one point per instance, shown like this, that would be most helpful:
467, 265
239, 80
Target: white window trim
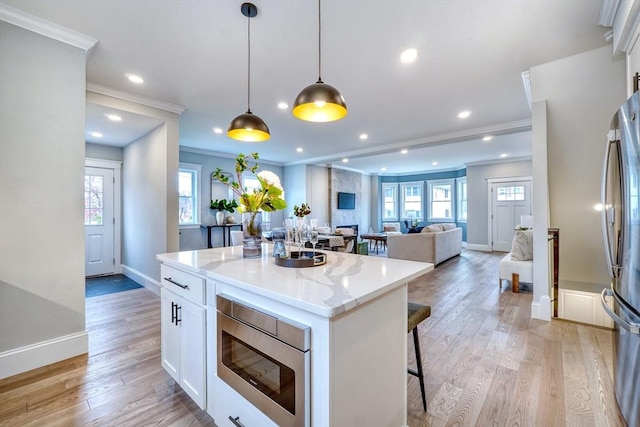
430, 184
460, 180
401, 204
395, 201
196, 191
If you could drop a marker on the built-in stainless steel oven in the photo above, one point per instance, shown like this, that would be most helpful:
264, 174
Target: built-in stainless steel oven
265, 358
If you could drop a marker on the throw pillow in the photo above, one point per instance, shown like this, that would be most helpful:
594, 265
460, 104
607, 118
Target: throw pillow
448, 226
415, 230
522, 247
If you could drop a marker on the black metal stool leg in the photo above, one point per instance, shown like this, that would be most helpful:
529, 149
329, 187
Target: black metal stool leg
419, 373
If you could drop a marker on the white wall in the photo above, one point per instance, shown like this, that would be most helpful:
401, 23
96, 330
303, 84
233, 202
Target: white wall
42, 110
579, 112
477, 196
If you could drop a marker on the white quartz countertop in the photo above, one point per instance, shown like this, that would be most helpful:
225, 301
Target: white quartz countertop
344, 282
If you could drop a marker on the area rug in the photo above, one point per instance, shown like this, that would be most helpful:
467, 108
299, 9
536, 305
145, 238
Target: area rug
96, 286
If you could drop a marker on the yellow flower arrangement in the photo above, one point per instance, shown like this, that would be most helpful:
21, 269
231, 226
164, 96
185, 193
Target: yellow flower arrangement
269, 198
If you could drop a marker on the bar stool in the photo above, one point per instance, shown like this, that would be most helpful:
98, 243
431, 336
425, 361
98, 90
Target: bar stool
416, 314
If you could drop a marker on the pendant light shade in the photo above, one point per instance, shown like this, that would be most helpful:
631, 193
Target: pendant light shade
319, 102
248, 127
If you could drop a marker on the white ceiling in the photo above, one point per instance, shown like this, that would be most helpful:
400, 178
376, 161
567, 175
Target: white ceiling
471, 54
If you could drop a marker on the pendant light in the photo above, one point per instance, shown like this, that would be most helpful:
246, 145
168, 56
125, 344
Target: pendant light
248, 127
319, 102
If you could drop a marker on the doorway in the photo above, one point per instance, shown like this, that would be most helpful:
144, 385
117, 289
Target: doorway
510, 198
102, 217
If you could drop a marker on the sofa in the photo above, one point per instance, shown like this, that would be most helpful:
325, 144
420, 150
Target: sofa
435, 243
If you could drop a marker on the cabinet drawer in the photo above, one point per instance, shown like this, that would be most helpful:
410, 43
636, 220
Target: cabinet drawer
188, 285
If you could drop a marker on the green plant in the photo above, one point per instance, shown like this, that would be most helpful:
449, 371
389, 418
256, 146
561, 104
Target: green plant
268, 198
224, 205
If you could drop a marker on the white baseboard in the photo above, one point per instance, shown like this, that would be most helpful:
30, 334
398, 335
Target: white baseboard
141, 278
44, 353
541, 310
475, 247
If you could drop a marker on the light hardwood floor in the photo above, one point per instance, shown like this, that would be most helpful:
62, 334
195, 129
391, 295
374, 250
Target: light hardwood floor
486, 363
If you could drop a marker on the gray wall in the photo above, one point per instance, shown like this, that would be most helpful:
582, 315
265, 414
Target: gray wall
295, 187
149, 192
196, 238
42, 111
349, 182
104, 152
478, 199
582, 93
143, 193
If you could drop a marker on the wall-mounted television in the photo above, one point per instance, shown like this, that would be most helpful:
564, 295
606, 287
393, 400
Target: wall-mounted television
346, 200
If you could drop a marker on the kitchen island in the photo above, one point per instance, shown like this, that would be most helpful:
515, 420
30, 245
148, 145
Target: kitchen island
354, 306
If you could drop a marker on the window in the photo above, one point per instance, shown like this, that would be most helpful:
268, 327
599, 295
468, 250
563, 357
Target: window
510, 193
188, 194
411, 206
390, 201
441, 199
461, 192
93, 196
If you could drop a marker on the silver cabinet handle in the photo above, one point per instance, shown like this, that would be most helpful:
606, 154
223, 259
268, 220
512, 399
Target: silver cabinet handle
236, 421
633, 328
170, 280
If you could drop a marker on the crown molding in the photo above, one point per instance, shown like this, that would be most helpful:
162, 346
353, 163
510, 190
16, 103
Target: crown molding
607, 14
465, 135
212, 153
46, 28
138, 99
506, 160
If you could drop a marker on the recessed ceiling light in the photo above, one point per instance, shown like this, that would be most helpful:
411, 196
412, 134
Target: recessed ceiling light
135, 78
434, 163
487, 138
96, 134
409, 55
364, 136
503, 155
114, 117
345, 160
217, 130
283, 105
299, 150
464, 114
383, 169
405, 151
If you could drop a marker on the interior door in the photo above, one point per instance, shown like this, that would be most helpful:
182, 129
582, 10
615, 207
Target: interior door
99, 221
510, 199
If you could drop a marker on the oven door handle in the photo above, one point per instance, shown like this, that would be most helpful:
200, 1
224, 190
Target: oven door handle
236, 421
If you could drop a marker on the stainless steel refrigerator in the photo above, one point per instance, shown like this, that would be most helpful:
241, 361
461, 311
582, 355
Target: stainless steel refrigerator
621, 227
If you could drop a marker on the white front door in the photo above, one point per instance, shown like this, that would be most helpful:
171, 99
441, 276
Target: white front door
99, 221
510, 199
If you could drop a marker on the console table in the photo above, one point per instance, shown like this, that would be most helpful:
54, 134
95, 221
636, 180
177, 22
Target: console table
226, 233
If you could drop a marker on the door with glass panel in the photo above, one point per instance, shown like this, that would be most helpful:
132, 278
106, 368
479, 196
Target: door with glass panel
510, 200
99, 221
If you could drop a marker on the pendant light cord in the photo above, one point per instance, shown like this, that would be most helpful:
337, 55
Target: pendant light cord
249, 63
319, 44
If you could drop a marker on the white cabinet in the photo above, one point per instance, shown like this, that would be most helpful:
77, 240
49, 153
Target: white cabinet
581, 302
183, 331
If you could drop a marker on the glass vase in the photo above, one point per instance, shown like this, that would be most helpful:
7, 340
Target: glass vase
252, 234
